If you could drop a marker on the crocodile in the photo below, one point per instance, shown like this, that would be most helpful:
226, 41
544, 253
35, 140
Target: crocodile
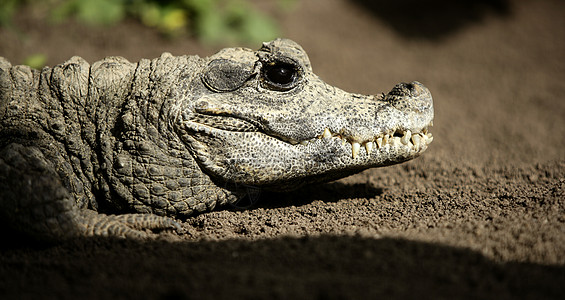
126, 149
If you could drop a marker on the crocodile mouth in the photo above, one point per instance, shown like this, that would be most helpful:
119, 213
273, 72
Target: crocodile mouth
225, 122
415, 141
410, 103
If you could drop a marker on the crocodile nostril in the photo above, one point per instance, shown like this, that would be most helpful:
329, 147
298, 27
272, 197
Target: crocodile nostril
415, 88
404, 91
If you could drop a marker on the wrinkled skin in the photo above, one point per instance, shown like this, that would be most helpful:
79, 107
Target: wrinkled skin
281, 126
179, 135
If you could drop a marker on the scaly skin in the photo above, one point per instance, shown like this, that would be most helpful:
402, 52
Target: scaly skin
165, 138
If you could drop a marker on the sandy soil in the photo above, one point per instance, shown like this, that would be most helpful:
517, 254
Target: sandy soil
480, 215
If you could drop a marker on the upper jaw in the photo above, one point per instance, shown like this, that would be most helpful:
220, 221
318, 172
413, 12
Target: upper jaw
401, 118
240, 145
413, 142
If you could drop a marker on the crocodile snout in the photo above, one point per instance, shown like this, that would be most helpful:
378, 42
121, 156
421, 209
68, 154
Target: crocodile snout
403, 89
415, 88
412, 96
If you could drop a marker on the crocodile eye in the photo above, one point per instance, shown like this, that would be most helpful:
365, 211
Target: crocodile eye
280, 76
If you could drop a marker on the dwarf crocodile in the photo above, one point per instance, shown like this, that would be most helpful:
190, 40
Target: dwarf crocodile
123, 149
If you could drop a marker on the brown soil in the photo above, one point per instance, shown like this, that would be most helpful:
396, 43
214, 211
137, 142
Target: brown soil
480, 215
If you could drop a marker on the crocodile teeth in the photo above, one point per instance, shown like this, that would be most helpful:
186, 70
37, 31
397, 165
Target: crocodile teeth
355, 149
416, 141
385, 139
326, 134
406, 138
429, 138
369, 147
379, 142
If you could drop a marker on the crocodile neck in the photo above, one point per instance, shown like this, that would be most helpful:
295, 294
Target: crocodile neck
147, 168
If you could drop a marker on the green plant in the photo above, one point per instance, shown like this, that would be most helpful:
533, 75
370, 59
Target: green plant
36, 61
213, 21
7, 9
224, 21
230, 21
92, 12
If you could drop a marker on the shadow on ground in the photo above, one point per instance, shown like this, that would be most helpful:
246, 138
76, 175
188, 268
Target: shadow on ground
433, 19
329, 192
324, 267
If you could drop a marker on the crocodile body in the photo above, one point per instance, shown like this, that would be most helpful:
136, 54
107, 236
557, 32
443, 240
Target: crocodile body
120, 149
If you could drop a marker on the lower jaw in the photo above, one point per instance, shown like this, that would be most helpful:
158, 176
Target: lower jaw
275, 164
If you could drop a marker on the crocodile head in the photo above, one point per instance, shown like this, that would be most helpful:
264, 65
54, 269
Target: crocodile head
264, 119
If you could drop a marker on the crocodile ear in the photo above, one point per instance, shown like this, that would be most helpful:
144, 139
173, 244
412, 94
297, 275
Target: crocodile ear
226, 75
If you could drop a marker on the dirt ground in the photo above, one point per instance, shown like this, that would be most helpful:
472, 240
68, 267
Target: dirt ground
481, 215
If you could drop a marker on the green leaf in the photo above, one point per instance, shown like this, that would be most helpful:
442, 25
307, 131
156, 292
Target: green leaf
36, 61
63, 11
150, 14
7, 10
100, 12
173, 20
257, 28
211, 27
201, 6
